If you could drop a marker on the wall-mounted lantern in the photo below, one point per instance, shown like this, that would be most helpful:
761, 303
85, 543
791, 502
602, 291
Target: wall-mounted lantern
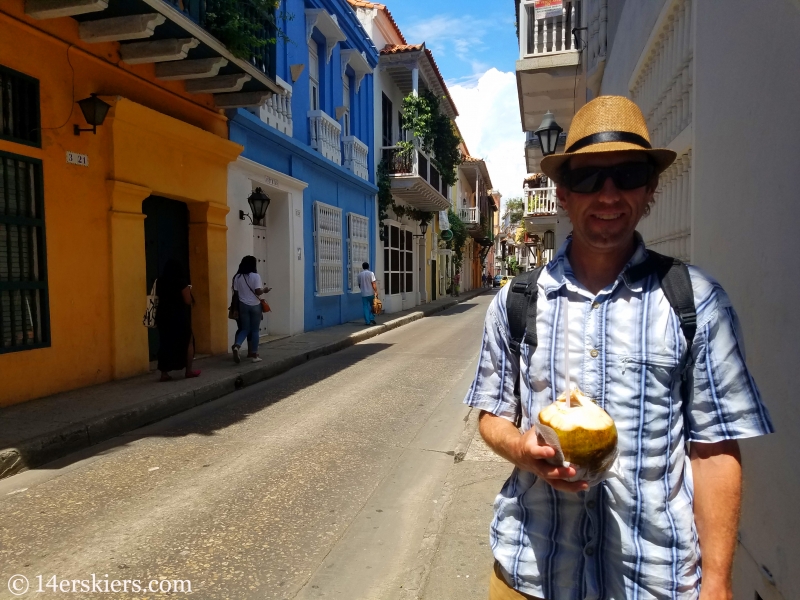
94, 111
549, 240
259, 202
548, 133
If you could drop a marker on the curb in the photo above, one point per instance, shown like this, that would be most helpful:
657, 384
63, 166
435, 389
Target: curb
40, 450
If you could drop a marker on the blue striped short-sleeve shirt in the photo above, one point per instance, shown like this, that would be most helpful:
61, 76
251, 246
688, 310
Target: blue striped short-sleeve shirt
635, 537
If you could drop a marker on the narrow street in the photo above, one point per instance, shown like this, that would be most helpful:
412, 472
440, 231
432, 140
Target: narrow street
319, 483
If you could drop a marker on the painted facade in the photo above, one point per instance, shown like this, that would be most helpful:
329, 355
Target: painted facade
311, 149
410, 268
73, 316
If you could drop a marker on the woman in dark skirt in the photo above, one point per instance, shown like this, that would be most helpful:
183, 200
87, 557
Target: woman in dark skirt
174, 321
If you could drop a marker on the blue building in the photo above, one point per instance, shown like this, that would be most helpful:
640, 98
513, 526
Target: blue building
311, 150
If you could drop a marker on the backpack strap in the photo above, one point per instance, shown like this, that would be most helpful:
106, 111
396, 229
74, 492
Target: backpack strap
521, 315
673, 277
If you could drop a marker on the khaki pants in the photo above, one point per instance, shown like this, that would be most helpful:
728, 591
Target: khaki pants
500, 590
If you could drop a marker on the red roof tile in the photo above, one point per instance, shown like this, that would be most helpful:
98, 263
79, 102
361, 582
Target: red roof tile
363, 4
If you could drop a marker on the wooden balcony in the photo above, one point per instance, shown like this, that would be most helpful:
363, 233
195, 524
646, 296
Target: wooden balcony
178, 36
415, 180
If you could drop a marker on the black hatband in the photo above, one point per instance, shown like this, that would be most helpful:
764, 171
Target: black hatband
609, 136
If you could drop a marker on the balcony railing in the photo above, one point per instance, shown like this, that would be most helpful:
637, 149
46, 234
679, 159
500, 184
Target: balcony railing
261, 57
540, 37
540, 202
326, 135
470, 215
277, 111
413, 163
356, 154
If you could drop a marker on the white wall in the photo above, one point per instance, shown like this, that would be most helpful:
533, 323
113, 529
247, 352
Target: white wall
745, 232
744, 222
284, 228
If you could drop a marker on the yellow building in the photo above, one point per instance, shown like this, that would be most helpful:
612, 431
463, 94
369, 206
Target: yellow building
87, 219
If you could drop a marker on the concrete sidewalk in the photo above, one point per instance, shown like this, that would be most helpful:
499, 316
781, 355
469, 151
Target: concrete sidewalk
39, 431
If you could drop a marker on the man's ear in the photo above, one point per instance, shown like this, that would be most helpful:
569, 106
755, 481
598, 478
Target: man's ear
561, 194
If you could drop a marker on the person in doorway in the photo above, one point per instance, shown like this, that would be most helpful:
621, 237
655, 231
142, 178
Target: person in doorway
174, 321
369, 291
247, 284
674, 381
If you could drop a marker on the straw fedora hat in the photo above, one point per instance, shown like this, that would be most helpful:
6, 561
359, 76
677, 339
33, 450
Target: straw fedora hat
607, 124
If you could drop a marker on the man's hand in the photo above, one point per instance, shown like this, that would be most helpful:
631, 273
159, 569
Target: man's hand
524, 451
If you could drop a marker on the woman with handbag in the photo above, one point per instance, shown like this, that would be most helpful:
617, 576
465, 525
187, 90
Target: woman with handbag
247, 286
174, 321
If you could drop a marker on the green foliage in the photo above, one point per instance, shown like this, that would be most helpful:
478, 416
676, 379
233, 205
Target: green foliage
435, 132
515, 209
459, 238
238, 23
512, 264
386, 201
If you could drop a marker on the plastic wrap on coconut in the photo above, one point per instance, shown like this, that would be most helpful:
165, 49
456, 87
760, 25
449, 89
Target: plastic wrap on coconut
583, 435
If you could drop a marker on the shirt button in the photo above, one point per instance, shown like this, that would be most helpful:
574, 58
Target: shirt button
589, 551
595, 305
590, 504
594, 353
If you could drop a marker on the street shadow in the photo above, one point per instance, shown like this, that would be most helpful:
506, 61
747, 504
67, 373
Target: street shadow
210, 417
456, 310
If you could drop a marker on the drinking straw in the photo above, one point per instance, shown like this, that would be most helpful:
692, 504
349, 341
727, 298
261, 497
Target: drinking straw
566, 347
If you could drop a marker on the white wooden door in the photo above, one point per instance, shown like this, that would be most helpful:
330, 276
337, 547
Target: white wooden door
260, 252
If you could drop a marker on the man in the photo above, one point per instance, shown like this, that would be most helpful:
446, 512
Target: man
369, 290
639, 535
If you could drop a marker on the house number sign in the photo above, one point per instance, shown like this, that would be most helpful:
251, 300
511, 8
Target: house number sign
73, 158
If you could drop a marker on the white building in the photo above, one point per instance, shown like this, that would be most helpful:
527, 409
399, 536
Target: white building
717, 82
407, 269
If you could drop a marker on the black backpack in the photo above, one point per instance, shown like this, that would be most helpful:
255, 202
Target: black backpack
673, 276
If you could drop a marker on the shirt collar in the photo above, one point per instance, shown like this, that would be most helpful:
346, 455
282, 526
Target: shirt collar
558, 272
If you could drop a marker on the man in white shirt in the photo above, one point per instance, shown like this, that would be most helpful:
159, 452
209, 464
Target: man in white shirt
369, 290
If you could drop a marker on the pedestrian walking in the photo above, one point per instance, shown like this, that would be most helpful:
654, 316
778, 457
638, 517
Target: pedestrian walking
248, 286
174, 321
658, 346
369, 290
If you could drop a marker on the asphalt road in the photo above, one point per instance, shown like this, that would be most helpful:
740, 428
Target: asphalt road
319, 483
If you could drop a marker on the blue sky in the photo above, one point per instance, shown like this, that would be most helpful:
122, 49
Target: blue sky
475, 45
466, 38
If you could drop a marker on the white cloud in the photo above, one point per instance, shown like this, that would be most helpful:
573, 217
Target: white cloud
490, 123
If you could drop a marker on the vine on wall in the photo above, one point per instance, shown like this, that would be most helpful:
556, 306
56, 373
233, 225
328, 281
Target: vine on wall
435, 132
459, 239
386, 201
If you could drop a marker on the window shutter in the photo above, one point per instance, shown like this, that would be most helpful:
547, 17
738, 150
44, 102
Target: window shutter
358, 246
328, 242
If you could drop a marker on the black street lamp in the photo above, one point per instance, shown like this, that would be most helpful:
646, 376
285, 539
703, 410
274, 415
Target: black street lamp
94, 111
549, 240
259, 202
548, 133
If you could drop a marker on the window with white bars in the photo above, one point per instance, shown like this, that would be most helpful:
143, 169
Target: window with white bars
24, 322
328, 242
358, 247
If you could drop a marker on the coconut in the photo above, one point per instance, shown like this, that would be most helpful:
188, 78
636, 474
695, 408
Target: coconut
586, 432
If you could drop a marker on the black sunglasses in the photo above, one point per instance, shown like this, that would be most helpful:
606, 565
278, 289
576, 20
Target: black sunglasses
627, 176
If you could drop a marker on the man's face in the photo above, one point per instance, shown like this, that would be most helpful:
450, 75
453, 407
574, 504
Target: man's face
605, 220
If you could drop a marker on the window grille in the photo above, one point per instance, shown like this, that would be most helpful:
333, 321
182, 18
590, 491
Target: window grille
358, 246
328, 263
19, 108
24, 318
